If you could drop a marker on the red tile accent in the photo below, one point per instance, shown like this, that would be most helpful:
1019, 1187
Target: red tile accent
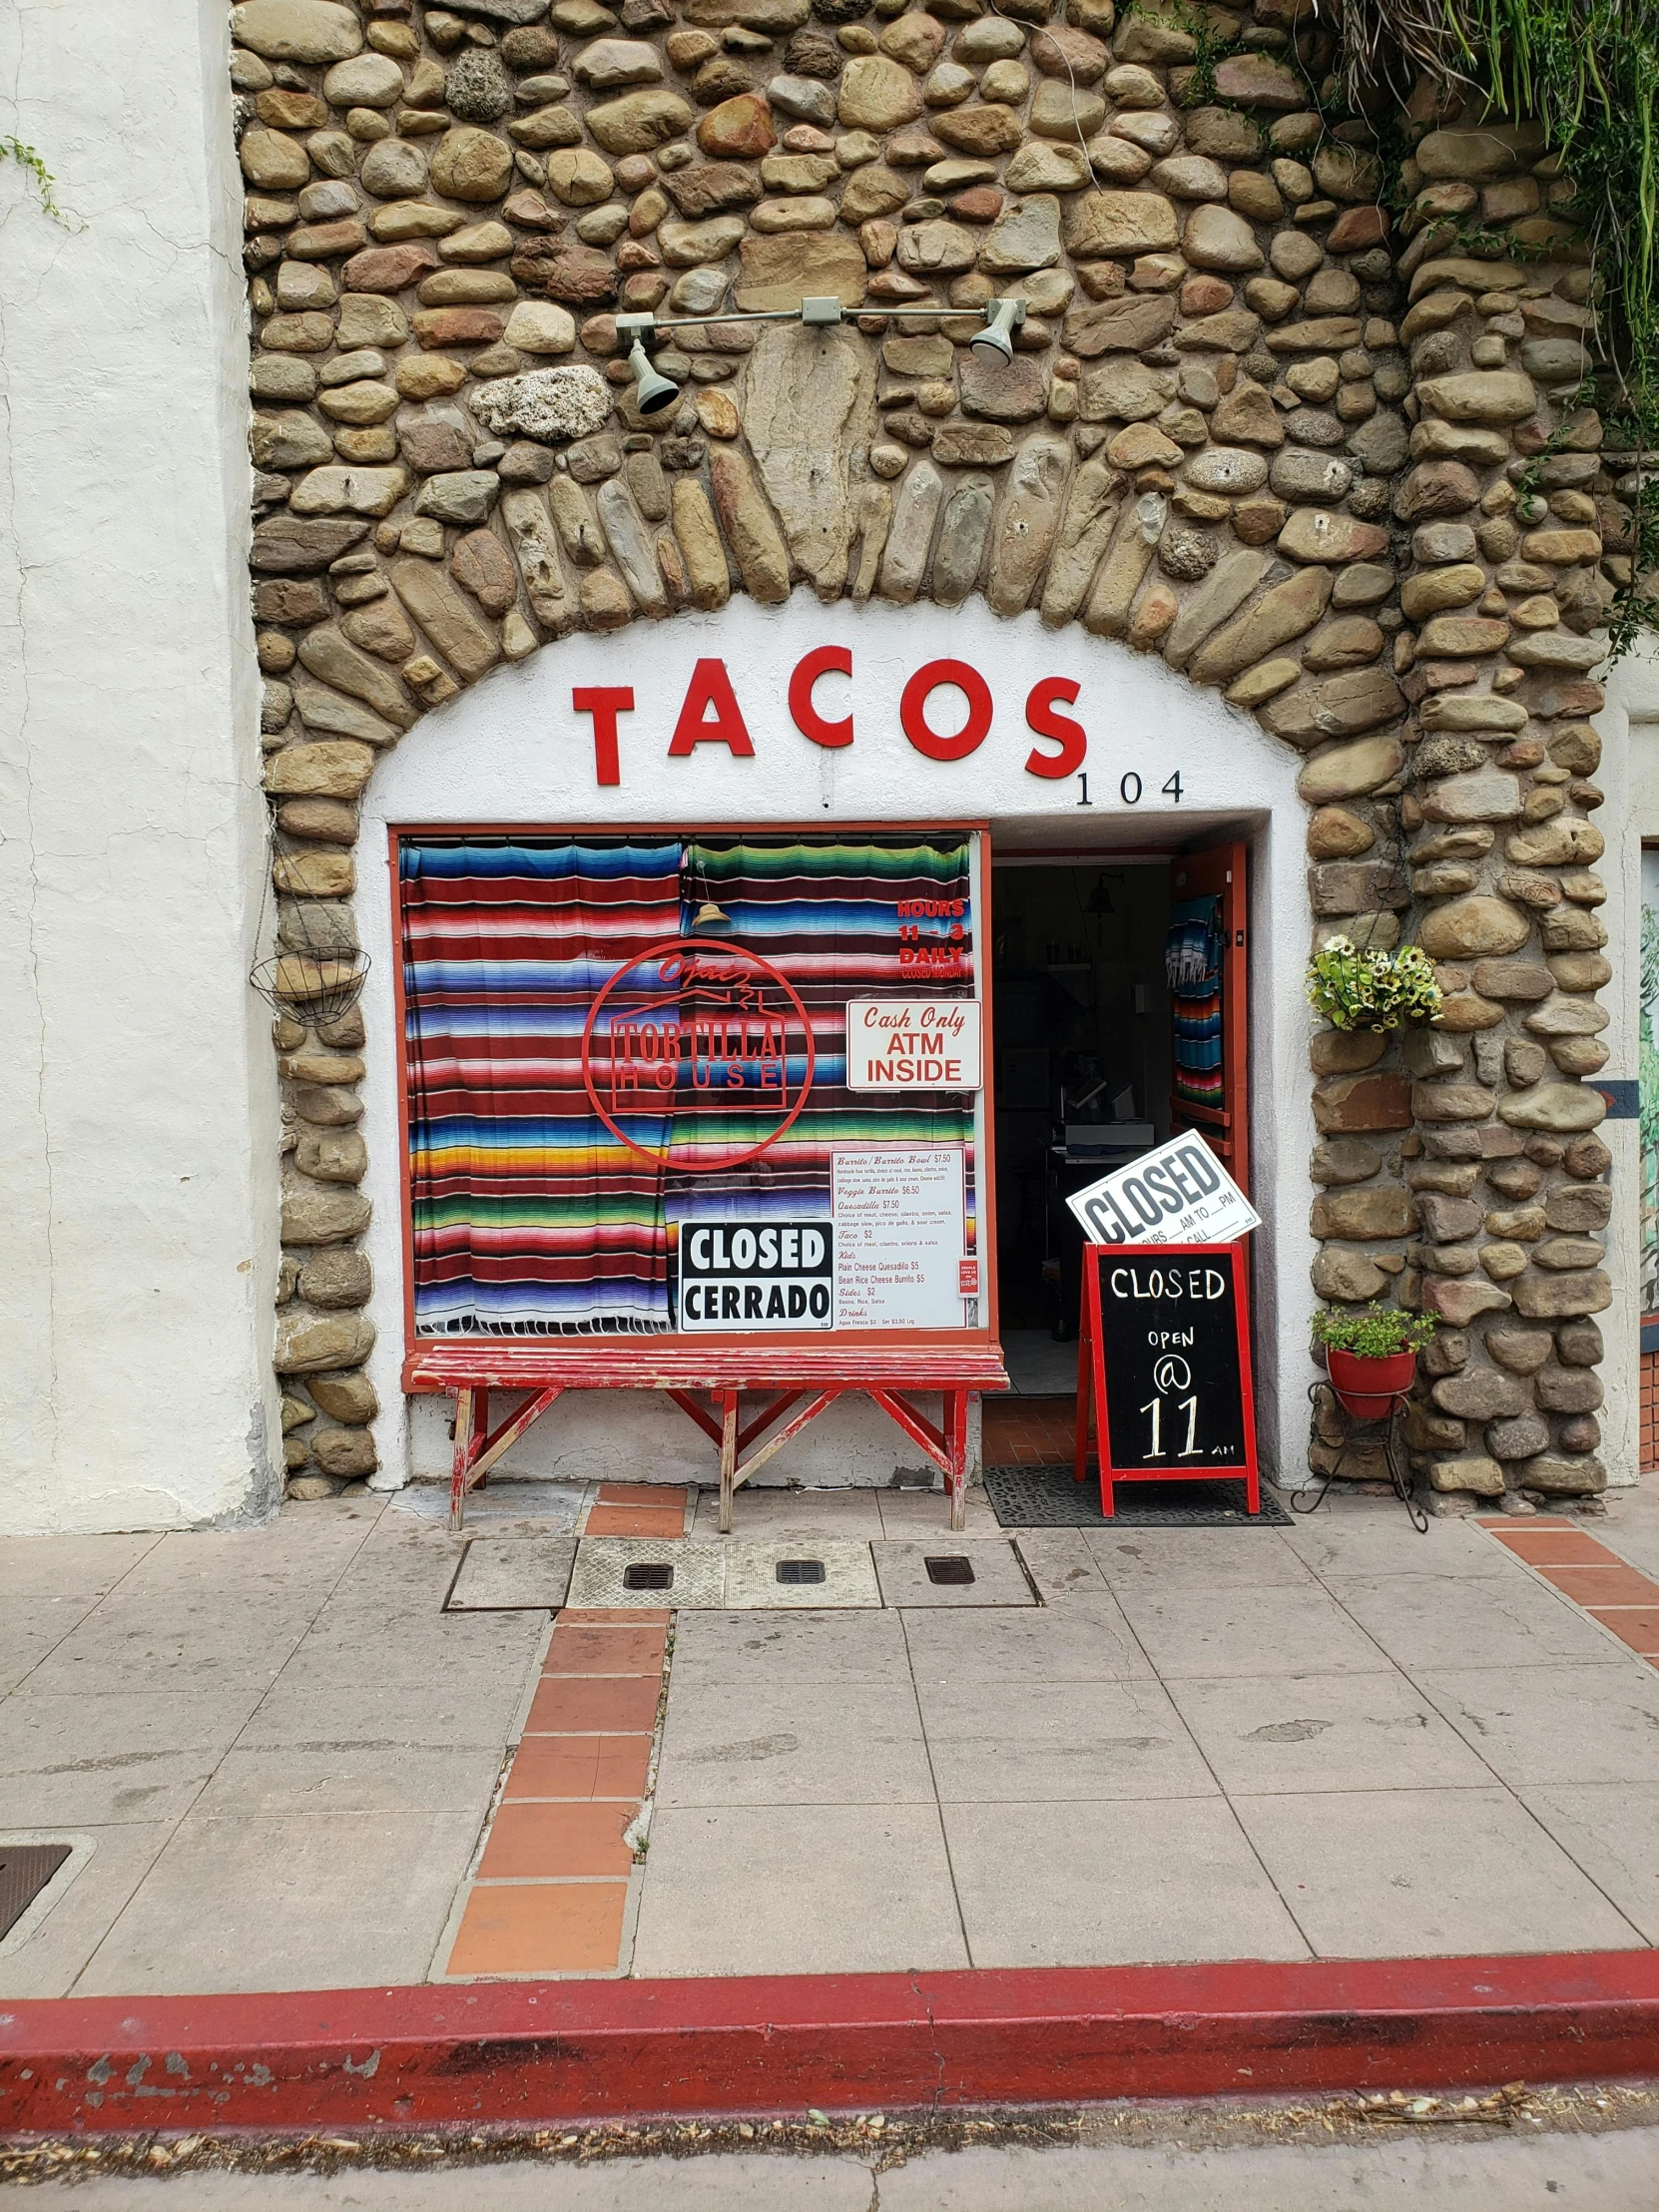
1612, 1584
534, 1842
1554, 1546
608, 1648
541, 1928
1648, 1425
1029, 1431
595, 1705
642, 1493
1635, 1625
580, 1767
636, 1521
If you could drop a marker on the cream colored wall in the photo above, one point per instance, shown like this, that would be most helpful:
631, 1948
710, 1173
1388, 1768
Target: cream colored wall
1629, 775
138, 1123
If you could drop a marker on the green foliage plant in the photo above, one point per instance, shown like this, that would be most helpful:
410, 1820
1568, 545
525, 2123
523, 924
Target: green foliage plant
1372, 989
1372, 1332
1587, 71
45, 184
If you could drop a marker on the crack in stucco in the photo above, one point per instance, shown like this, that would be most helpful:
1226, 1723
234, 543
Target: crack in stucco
31, 929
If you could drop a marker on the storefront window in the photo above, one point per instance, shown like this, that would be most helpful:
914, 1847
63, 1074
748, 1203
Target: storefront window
630, 1104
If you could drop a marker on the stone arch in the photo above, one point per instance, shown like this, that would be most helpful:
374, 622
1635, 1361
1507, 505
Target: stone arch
1241, 433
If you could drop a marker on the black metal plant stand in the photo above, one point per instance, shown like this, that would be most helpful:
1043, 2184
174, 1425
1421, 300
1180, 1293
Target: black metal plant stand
1393, 1451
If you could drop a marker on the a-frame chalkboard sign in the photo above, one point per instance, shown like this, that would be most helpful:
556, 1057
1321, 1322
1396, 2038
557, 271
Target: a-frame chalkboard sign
1164, 1362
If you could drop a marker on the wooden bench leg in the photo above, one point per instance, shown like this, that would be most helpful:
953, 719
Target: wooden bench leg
463, 1460
728, 1456
955, 1434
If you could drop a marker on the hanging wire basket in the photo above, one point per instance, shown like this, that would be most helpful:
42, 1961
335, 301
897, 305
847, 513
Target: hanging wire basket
318, 980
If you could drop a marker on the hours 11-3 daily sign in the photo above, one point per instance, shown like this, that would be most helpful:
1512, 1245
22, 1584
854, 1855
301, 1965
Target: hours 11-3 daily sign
1178, 1193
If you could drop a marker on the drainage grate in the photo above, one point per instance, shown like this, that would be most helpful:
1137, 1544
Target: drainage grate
954, 1570
648, 1574
796, 1571
24, 1869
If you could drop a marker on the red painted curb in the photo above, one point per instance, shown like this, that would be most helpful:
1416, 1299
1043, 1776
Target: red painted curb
535, 2054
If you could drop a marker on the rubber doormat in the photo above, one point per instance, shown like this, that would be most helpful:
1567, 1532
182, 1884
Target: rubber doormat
1049, 1497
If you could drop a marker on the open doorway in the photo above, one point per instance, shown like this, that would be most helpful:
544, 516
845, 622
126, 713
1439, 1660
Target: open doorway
1119, 1012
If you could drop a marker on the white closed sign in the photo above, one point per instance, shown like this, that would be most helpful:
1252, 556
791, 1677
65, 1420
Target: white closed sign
913, 1044
1178, 1193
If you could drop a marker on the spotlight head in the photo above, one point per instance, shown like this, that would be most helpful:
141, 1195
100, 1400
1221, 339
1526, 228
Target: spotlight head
994, 343
651, 391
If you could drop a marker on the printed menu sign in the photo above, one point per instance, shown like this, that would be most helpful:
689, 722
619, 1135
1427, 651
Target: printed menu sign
899, 1237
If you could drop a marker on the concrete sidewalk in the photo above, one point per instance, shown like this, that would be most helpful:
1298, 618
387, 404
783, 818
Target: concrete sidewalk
1336, 1740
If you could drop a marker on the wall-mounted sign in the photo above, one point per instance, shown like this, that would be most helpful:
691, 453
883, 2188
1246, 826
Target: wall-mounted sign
1178, 1193
913, 1044
756, 1275
900, 1238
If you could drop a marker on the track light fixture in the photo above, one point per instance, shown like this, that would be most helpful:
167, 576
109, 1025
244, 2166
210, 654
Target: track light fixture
996, 342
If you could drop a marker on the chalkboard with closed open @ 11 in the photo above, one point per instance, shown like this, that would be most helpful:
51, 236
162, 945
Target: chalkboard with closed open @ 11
1164, 1362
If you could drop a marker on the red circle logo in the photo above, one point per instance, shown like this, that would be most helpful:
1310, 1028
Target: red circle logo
695, 1031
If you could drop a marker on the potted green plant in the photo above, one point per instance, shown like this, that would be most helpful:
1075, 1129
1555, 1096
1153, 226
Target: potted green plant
1370, 1355
1372, 989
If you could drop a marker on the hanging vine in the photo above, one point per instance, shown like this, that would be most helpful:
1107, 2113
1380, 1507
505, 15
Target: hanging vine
1588, 72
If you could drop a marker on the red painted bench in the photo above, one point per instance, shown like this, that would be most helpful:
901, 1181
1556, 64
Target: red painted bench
469, 1369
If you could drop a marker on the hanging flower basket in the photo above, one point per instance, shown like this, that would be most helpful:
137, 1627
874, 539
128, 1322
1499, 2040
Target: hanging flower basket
316, 973
1372, 989
1371, 1356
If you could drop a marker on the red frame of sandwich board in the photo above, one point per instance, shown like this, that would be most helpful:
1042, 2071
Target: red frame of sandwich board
1091, 1376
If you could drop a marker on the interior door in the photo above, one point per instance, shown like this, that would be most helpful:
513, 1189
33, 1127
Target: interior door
1208, 963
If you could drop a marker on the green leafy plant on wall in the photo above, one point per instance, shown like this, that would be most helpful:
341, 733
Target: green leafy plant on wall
45, 184
1588, 72
1354, 989
1372, 1332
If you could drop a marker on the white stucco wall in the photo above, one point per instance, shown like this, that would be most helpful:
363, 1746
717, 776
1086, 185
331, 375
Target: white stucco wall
137, 1120
513, 752
1629, 774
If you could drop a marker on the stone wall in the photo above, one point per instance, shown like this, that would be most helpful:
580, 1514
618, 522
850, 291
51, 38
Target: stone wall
1318, 462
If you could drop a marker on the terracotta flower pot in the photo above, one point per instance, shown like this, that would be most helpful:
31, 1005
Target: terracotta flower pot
1370, 1388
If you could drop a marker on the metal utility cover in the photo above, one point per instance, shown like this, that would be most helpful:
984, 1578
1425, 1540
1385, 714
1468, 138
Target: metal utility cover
699, 1573
998, 1578
24, 1869
513, 1573
751, 1583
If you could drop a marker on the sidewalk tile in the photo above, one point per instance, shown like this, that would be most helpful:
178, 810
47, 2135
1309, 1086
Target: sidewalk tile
1169, 1561
320, 1901
68, 1566
1286, 1628
1419, 1874
595, 1705
789, 1647
1065, 1643
797, 1889
535, 1842
1514, 1622
1611, 1828
1381, 1540
1325, 1731
1105, 1885
580, 1767
375, 1778
464, 1712
47, 1965
854, 1741
772, 1514
540, 1927
1535, 1727
87, 1759
1057, 1741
